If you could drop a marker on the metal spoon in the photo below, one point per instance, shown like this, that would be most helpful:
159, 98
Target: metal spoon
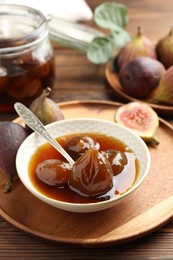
35, 124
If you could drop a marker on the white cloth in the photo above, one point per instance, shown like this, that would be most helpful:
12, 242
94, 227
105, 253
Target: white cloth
70, 10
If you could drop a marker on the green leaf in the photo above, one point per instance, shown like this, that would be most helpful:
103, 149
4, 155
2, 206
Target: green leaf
101, 49
121, 38
111, 16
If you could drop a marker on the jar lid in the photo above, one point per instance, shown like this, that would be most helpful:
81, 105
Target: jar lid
20, 26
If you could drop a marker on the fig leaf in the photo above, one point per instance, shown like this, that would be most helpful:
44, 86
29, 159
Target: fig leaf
101, 49
111, 16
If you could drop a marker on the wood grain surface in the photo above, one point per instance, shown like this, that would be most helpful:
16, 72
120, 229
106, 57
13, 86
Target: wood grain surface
78, 79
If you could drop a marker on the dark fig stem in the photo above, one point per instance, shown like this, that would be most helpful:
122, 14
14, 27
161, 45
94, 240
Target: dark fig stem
47, 91
8, 186
44, 94
171, 32
153, 142
139, 33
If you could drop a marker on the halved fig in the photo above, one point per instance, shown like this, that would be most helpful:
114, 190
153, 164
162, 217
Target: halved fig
140, 118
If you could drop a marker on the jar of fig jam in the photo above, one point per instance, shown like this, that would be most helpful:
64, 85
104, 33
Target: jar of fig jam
26, 55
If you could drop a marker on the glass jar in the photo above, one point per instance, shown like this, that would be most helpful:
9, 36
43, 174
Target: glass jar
26, 55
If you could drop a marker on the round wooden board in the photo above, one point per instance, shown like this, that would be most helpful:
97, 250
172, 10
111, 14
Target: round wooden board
113, 80
147, 209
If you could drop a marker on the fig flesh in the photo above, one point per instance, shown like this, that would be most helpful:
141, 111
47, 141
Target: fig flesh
140, 118
12, 135
46, 109
91, 175
164, 50
141, 76
164, 92
139, 46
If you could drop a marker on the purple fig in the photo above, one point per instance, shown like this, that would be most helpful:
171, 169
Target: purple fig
164, 50
164, 92
46, 109
12, 135
140, 45
140, 76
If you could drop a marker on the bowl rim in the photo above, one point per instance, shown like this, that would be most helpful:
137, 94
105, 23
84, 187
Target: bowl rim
82, 206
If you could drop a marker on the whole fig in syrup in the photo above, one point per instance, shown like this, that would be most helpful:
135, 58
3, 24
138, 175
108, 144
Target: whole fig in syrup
78, 145
91, 175
117, 160
53, 172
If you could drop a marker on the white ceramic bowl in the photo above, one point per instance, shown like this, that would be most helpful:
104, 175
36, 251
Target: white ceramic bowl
82, 125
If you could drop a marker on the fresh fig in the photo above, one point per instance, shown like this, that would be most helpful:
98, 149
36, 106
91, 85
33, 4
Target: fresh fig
91, 174
164, 92
46, 109
12, 135
141, 118
140, 76
164, 50
140, 45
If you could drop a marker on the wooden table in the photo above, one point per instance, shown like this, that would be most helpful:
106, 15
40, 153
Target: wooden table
78, 79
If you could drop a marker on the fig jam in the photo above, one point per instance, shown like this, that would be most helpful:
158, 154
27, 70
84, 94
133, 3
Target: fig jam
26, 56
121, 182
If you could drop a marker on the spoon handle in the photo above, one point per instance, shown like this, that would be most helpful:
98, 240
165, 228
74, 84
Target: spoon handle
35, 124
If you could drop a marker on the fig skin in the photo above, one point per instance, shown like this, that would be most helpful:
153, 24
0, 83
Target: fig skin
164, 50
140, 118
139, 46
141, 76
164, 92
12, 136
91, 174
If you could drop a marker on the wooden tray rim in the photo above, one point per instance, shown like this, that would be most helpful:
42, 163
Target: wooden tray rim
91, 242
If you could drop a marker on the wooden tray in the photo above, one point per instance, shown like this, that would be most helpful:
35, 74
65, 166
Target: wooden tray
148, 208
113, 80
